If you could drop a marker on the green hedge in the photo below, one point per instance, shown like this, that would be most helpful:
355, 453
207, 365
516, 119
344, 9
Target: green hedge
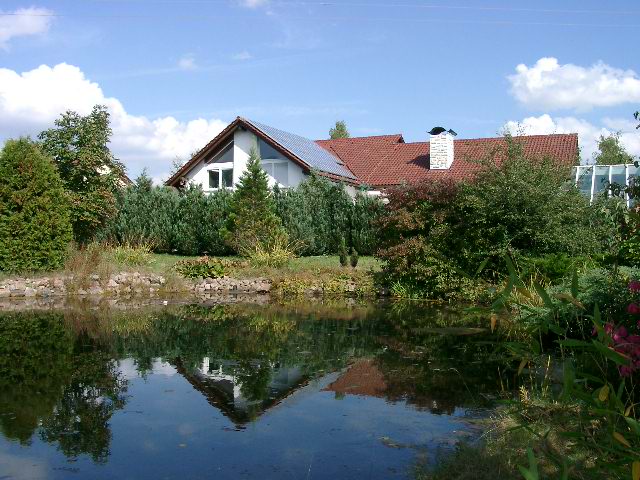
318, 214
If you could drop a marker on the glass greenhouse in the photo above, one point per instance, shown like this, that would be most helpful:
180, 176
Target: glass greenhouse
592, 180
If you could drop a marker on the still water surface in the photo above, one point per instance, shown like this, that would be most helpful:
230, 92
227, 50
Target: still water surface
309, 390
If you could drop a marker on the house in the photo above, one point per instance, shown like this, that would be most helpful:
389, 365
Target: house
375, 162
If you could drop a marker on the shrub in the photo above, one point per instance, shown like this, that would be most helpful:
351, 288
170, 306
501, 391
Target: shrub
319, 213
354, 258
276, 252
343, 253
252, 223
515, 205
35, 226
132, 255
203, 267
187, 223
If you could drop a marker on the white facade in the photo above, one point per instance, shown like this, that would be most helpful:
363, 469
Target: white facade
225, 169
593, 180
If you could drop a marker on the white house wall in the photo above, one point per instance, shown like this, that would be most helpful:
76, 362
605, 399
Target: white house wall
243, 142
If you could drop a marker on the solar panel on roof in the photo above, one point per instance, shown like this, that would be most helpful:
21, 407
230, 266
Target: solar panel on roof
306, 150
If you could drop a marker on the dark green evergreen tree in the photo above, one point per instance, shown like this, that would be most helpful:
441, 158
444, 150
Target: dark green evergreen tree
35, 226
252, 217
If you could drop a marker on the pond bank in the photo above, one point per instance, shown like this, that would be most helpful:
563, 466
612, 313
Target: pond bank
45, 289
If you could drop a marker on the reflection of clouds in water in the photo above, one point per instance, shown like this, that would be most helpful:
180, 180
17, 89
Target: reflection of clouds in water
186, 429
18, 468
129, 370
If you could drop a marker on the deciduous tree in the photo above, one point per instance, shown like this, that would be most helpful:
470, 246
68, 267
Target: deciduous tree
91, 174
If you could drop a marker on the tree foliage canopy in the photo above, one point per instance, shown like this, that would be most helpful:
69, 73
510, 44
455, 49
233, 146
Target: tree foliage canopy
611, 151
339, 130
91, 174
35, 227
252, 218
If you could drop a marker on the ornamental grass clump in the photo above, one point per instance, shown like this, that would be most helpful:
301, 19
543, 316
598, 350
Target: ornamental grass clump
35, 219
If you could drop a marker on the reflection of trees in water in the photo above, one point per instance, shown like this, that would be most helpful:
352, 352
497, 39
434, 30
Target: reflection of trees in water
65, 383
60, 371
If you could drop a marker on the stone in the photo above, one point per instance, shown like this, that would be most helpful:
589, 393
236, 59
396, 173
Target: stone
17, 292
81, 291
112, 283
94, 277
29, 292
4, 293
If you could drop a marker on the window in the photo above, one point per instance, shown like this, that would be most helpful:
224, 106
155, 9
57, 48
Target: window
279, 171
216, 176
223, 156
267, 152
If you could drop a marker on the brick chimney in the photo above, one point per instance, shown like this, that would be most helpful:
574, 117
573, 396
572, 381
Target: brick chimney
441, 148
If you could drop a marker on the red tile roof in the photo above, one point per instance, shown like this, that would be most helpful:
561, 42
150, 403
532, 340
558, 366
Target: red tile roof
387, 160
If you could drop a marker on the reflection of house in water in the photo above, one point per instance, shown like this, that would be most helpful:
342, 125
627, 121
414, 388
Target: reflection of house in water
365, 378
225, 385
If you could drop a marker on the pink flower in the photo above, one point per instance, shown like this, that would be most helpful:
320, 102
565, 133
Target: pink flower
633, 309
633, 339
634, 286
625, 371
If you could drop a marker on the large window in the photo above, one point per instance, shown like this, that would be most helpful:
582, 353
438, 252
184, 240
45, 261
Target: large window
279, 170
594, 180
267, 152
220, 178
223, 156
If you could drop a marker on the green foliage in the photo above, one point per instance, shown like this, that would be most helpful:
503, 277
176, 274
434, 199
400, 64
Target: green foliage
339, 130
611, 151
187, 223
252, 219
343, 253
132, 255
319, 213
354, 258
555, 267
35, 227
598, 397
90, 172
435, 232
203, 267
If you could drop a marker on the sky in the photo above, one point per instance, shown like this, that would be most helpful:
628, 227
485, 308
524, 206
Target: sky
173, 73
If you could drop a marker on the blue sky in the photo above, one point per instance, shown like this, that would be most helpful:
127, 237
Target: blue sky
173, 72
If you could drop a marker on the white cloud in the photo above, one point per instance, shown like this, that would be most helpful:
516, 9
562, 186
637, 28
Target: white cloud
31, 101
552, 86
244, 55
187, 62
23, 22
588, 133
253, 3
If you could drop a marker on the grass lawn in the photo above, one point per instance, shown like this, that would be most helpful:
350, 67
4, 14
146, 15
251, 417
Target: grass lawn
162, 262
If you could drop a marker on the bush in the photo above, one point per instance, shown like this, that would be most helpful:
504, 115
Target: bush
343, 253
35, 225
203, 267
319, 213
132, 255
354, 258
275, 252
517, 206
187, 223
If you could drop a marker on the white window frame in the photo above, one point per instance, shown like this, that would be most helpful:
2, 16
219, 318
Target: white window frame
219, 168
272, 162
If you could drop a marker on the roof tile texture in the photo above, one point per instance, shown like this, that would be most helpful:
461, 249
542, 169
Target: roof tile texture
386, 160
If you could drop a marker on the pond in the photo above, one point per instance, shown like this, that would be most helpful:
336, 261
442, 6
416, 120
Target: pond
315, 389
